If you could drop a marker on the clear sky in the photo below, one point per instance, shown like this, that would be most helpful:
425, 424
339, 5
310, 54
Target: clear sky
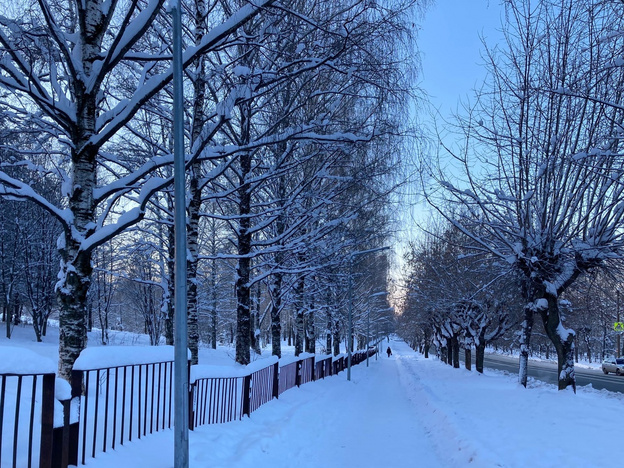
450, 45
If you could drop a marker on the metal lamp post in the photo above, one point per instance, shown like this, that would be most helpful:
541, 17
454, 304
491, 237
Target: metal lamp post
181, 436
382, 293
367, 334
350, 339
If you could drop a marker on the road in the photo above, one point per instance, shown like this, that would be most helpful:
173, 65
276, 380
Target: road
547, 372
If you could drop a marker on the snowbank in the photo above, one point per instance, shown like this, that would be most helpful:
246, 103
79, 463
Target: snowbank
101, 357
22, 361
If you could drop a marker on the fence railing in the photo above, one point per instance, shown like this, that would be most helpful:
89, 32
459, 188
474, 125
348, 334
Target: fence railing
26, 400
113, 405
121, 403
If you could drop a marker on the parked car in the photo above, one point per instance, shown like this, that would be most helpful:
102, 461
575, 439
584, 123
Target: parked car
613, 365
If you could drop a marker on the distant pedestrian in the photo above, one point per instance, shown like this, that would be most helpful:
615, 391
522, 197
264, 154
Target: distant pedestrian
389, 351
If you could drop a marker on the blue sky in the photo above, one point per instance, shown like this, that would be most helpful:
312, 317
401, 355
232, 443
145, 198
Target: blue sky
450, 45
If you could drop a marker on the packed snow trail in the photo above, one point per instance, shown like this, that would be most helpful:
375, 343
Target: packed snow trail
403, 412
368, 422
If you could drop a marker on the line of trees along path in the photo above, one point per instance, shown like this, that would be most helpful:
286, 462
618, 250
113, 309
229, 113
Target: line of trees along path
294, 122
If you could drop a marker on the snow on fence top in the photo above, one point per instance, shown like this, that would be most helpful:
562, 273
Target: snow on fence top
290, 359
203, 371
102, 357
22, 361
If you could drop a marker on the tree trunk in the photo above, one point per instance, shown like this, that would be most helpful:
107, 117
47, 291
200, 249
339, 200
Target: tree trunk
310, 333
468, 358
336, 330
170, 309
213, 308
563, 340
72, 293
480, 356
525, 340
254, 329
195, 195
244, 239
299, 313
455, 350
328, 338
243, 325
276, 324
449, 352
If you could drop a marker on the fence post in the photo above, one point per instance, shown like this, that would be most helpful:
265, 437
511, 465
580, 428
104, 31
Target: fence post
298, 374
313, 368
247, 395
276, 380
64, 442
73, 431
47, 421
191, 395
191, 422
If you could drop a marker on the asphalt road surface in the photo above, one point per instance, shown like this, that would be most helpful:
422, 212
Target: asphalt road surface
547, 372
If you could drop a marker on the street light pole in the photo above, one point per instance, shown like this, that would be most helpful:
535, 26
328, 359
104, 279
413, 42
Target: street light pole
377, 339
350, 338
181, 436
367, 334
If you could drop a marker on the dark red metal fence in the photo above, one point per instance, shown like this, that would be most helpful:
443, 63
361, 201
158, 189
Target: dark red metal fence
119, 404
287, 377
122, 403
26, 400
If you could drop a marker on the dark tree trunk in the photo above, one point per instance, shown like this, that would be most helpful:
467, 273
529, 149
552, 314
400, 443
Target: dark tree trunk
468, 358
213, 308
276, 325
449, 352
480, 356
310, 333
336, 330
243, 270
525, 341
299, 314
455, 348
254, 335
328, 338
169, 319
243, 325
563, 340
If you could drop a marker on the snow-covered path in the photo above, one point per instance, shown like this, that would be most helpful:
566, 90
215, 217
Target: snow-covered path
368, 422
404, 412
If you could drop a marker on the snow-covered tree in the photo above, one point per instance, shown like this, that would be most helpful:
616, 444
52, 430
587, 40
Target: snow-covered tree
60, 63
541, 167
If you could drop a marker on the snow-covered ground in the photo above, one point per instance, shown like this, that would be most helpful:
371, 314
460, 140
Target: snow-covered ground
403, 411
